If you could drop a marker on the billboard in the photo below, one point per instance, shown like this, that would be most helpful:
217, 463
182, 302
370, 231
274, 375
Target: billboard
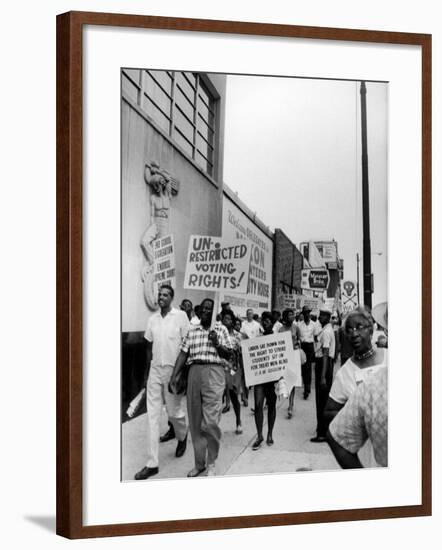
237, 226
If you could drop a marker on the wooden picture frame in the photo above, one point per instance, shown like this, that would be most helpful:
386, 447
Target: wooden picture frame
70, 156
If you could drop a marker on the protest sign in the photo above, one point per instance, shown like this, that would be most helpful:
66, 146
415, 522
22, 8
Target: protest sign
164, 262
217, 265
266, 358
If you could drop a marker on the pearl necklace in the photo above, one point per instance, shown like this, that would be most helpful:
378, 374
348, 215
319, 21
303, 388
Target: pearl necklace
365, 355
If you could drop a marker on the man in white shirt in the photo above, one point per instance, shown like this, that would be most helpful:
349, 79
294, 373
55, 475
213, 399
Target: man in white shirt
277, 325
250, 328
323, 372
165, 331
308, 331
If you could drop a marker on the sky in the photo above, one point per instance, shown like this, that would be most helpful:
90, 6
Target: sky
292, 151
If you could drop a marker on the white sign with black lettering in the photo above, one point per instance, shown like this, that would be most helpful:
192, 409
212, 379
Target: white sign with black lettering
266, 358
217, 264
164, 262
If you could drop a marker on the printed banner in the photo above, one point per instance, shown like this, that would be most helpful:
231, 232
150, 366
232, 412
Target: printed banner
237, 226
164, 262
266, 358
217, 265
298, 301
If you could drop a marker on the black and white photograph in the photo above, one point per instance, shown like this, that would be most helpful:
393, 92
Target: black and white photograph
254, 253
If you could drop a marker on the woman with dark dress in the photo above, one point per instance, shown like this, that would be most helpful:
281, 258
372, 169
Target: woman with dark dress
232, 367
265, 391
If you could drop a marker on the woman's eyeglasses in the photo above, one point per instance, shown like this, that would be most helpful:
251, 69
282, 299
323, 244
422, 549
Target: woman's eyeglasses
357, 328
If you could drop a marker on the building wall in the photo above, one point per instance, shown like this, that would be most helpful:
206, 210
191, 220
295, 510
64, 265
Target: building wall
288, 263
196, 209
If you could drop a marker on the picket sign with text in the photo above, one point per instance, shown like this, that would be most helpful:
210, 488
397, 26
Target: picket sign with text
217, 265
266, 358
164, 262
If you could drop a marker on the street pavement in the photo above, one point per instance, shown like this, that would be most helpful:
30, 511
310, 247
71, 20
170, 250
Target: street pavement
291, 452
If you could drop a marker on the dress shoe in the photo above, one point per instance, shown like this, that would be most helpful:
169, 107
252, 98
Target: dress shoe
146, 472
318, 439
257, 443
195, 472
270, 440
181, 447
170, 434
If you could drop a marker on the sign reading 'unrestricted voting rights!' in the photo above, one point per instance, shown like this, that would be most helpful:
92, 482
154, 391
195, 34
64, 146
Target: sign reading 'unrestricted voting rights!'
216, 264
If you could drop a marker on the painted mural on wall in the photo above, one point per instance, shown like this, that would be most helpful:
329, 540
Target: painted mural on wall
162, 187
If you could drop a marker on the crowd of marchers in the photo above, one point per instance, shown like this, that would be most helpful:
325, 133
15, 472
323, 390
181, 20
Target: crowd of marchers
194, 367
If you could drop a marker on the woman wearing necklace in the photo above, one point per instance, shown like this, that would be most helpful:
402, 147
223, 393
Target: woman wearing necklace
366, 359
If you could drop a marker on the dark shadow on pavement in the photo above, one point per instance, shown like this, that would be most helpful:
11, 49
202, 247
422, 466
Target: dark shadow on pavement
45, 522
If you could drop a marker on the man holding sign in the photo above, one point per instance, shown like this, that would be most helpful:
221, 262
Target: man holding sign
214, 264
203, 349
267, 391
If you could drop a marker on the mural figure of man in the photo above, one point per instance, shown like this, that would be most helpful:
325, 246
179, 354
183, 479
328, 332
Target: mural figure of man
159, 182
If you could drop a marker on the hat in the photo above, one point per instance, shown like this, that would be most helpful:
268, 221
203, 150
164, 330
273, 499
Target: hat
325, 310
380, 314
223, 304
305, 309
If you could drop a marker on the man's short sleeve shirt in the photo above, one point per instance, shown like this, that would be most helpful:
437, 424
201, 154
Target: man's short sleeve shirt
166, 334
326, 339
200, 349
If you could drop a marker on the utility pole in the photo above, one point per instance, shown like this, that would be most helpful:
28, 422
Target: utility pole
357, 276
367, 276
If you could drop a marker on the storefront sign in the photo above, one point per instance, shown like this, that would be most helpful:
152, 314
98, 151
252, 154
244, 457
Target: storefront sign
315, 279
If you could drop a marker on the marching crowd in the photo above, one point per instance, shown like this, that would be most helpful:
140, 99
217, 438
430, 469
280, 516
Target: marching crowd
194, 367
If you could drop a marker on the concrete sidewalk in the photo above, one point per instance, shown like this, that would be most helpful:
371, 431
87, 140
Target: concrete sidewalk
292, 450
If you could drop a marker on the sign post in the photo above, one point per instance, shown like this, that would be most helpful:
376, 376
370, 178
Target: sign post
349, 296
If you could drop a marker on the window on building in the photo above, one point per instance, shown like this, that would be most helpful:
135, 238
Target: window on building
181, 105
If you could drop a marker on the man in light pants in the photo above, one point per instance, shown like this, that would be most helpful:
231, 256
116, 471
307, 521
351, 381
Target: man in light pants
164, 333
